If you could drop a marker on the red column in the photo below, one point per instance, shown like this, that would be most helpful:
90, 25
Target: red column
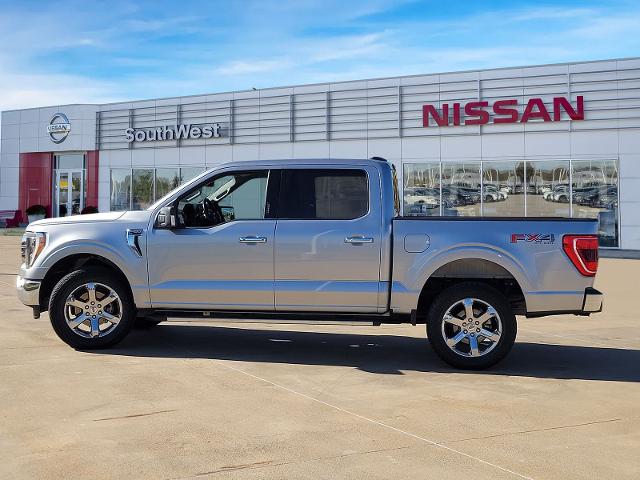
92, 178
35, 181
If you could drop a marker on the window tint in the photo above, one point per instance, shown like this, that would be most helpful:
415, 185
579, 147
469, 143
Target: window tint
235, 196
323, 194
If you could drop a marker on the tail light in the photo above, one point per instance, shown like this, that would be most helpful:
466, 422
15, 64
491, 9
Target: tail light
582, 250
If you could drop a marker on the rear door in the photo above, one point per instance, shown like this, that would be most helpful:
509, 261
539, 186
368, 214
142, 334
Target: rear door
328, 240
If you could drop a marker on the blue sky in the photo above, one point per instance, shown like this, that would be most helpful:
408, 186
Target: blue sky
69, 51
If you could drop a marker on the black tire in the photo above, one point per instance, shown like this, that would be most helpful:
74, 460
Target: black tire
484, 294
67, 285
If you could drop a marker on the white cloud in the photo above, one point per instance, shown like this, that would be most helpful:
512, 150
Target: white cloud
245, 67
25, 90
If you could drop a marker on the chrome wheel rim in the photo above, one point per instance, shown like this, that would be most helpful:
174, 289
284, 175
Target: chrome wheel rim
471, 327
93, 310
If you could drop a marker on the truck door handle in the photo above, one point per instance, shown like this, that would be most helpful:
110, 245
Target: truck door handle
358, 239
253, 239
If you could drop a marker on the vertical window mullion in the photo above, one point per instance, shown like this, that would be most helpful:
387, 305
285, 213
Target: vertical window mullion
570, 186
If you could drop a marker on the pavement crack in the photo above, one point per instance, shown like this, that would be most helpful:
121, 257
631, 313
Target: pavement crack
533, 430
136, 415
270, 463
231, 468
374, 422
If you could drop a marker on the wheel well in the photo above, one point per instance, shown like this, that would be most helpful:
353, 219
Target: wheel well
476, 270
69, 264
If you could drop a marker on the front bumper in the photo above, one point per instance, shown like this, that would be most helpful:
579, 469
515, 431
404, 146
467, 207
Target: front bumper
28, 291
592, 302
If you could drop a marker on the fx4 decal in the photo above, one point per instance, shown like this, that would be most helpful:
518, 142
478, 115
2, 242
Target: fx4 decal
540, 238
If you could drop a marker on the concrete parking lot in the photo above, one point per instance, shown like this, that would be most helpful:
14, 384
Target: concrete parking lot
250, 400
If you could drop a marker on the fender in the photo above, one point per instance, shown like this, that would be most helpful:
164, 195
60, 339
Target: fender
431, 261
133, 267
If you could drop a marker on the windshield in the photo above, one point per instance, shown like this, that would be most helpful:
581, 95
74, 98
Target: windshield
179, 187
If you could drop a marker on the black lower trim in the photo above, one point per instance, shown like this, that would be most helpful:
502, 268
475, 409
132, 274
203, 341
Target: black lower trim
376, 319
498, 219
557, 312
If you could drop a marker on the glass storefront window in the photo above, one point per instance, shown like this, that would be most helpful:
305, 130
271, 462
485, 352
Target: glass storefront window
595, 195
548, 189
544, 188
69, 161
142, 196
187, 173
166, 180
422, 190
137, 189
503, 189
461, 189
120, 189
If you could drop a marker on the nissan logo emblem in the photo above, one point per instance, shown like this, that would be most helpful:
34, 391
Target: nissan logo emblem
59, 128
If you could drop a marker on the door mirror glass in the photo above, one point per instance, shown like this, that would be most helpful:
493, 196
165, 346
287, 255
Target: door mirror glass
228, 213
166, 219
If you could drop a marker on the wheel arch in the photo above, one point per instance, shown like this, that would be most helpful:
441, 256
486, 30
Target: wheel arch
73, 262
472, 270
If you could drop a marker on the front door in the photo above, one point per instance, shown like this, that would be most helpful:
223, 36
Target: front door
221, 257
328, 240
69, 192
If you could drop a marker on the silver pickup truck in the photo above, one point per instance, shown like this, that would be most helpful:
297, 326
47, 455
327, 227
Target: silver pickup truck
307, 239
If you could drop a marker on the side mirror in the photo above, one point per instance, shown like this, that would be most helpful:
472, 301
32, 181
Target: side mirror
228, 213
166, 218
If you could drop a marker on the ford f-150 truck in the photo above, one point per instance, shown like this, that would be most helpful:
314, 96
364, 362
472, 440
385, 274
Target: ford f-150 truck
307, 239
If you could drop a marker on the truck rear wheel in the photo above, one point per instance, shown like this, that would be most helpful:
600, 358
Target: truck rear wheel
471, 326
91, 308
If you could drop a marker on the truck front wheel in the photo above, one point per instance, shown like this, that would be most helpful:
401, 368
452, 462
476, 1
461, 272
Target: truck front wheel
91, 308
471, 326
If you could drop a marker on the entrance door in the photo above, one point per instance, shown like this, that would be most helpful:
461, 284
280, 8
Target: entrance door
69, 192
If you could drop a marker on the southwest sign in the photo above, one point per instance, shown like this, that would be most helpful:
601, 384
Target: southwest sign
504, 111
173, 132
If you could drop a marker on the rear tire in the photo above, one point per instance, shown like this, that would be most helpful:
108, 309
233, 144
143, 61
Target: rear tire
471, 326
91, 308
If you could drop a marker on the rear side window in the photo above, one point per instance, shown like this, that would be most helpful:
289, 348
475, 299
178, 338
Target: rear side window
325, 194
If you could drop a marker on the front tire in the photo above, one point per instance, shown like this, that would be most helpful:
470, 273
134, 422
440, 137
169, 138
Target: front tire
91, 308
471, 326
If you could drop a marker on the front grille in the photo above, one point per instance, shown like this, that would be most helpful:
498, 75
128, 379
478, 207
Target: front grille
23, 250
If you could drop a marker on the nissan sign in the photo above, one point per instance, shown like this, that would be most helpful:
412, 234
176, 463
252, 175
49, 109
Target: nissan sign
504, 111
59, 128
173, 132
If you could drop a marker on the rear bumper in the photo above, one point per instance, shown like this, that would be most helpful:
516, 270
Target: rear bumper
592, 302
28, 291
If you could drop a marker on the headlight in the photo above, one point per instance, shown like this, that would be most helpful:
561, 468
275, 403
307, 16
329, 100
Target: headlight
32, 245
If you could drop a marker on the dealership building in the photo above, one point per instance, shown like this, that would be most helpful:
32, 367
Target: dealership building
550, 140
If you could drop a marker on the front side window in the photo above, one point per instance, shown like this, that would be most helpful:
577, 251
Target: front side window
233, 196
324, 194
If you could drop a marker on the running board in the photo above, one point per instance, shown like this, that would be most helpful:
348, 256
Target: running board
315, 317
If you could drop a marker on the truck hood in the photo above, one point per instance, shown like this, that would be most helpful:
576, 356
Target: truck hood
89, 218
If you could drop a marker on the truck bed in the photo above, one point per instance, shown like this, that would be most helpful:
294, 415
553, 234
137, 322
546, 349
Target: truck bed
528, 250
